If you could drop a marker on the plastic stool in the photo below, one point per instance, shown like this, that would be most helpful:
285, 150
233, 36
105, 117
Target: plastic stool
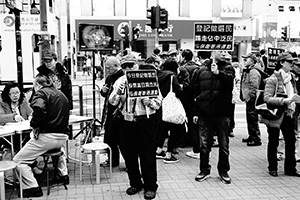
4, 166
55, 153
96, 147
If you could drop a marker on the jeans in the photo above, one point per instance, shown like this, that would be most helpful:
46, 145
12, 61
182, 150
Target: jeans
35, 148
252, 121
288, 132
208, 126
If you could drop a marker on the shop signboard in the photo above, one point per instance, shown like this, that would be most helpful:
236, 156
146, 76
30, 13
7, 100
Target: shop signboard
95, 37
272, 56
142, 83
213, 36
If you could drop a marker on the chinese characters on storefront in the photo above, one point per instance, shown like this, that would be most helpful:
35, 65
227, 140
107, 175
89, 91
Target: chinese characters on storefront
213, 37
272, 56
142, 83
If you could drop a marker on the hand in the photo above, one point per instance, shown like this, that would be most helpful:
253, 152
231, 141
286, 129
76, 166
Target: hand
104, 88
121, 89
19, 118
146, 101
195, 119
288, 101
214, 68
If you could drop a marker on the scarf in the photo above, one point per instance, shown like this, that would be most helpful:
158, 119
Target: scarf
289, 90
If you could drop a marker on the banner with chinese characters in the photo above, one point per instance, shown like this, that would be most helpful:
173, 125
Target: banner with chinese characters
215, 36
142, 83
272, 56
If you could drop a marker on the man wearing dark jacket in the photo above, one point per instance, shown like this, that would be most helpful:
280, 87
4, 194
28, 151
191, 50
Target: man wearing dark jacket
57, 74
50, 124
212, 87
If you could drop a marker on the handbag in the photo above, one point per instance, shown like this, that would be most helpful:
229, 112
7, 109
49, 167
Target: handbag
172, 108
269, 115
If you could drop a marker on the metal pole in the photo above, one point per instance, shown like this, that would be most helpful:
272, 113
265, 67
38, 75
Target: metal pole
44, 28
289, 35
19, 48
156, 38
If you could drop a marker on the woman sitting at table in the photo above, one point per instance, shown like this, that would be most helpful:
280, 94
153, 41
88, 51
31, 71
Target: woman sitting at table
13, 108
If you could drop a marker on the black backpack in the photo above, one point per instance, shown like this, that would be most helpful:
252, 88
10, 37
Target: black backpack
263, 80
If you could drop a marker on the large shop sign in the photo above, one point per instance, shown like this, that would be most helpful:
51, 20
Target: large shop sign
214, 36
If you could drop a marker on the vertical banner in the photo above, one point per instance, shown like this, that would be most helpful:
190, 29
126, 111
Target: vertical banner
272, 56
215, 36
8, 60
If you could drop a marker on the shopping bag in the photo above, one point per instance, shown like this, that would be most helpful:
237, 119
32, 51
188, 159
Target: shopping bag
172, 108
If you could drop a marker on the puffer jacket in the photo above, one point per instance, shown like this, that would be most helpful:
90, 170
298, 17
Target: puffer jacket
250, 82
213, 92
6, 114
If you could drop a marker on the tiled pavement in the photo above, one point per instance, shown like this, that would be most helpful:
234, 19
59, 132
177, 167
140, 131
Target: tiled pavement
250, 178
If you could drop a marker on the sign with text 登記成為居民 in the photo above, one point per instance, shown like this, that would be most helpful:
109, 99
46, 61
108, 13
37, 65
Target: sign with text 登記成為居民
273, 54
213, 36
142, 83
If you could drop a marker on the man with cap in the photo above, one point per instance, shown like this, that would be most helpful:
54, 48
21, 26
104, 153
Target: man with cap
111, 123
137, 139
250, 82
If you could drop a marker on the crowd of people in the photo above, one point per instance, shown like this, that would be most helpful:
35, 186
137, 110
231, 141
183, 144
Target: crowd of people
208, 85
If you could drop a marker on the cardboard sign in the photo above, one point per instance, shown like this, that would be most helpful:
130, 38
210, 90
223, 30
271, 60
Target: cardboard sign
215, 36
272, 56
142, 83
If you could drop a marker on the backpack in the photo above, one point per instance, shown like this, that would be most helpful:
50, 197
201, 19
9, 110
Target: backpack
263, 78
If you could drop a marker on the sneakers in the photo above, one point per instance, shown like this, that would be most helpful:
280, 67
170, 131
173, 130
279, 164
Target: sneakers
32, 192
149, 194
192, 154
202, 176
171, 160
253, 143
161, 155
225, 178
133, 190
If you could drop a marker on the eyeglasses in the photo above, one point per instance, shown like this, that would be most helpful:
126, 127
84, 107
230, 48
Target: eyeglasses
14, 93
289, 61
48, 60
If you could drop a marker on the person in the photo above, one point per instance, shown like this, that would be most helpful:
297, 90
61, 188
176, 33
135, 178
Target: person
57, 74
111, 123
14, 106
192, 133
212, 88
264, 58
163, 128
138, 133
88, 63
250, 82
49, 121
98, 65
282, 81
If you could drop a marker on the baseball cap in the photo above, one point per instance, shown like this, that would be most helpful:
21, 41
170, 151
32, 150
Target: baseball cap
129, 58
285, 56
49, 55
250, 55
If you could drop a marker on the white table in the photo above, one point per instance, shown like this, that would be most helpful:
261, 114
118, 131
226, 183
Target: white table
8, 131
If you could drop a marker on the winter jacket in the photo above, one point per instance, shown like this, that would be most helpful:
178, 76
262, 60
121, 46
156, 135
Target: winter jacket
213, 92
6, 114
66, 84
250, 82
191, 66
50, 110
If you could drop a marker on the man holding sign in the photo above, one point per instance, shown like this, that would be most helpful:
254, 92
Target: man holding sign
138, 97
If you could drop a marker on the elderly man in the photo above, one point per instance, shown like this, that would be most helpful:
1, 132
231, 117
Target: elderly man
111, 123
250, 82
50, 124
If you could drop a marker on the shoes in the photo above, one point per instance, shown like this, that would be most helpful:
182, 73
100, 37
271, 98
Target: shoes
273, 173
192, 154
246, 140
295, 173
252, 143
32, 192
149, 194
225, 178
133, 190
231, 134
202, 176
161, 155
171, 160
215, 144
175, 151
65, 179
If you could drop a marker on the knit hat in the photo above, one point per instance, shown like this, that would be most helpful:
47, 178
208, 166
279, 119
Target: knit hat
285, 56
130, 58
252, 56
49, 55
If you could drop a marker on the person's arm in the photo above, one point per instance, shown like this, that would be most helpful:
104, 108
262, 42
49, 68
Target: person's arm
38, 106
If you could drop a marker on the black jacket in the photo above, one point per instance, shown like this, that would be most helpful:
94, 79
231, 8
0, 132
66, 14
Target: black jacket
50, 110
213, 93
66, 84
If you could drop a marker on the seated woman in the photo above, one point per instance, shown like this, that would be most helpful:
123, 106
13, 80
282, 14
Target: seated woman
13, 108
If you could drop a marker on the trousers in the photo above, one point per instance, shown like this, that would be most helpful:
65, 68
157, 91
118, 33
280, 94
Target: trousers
35, 148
